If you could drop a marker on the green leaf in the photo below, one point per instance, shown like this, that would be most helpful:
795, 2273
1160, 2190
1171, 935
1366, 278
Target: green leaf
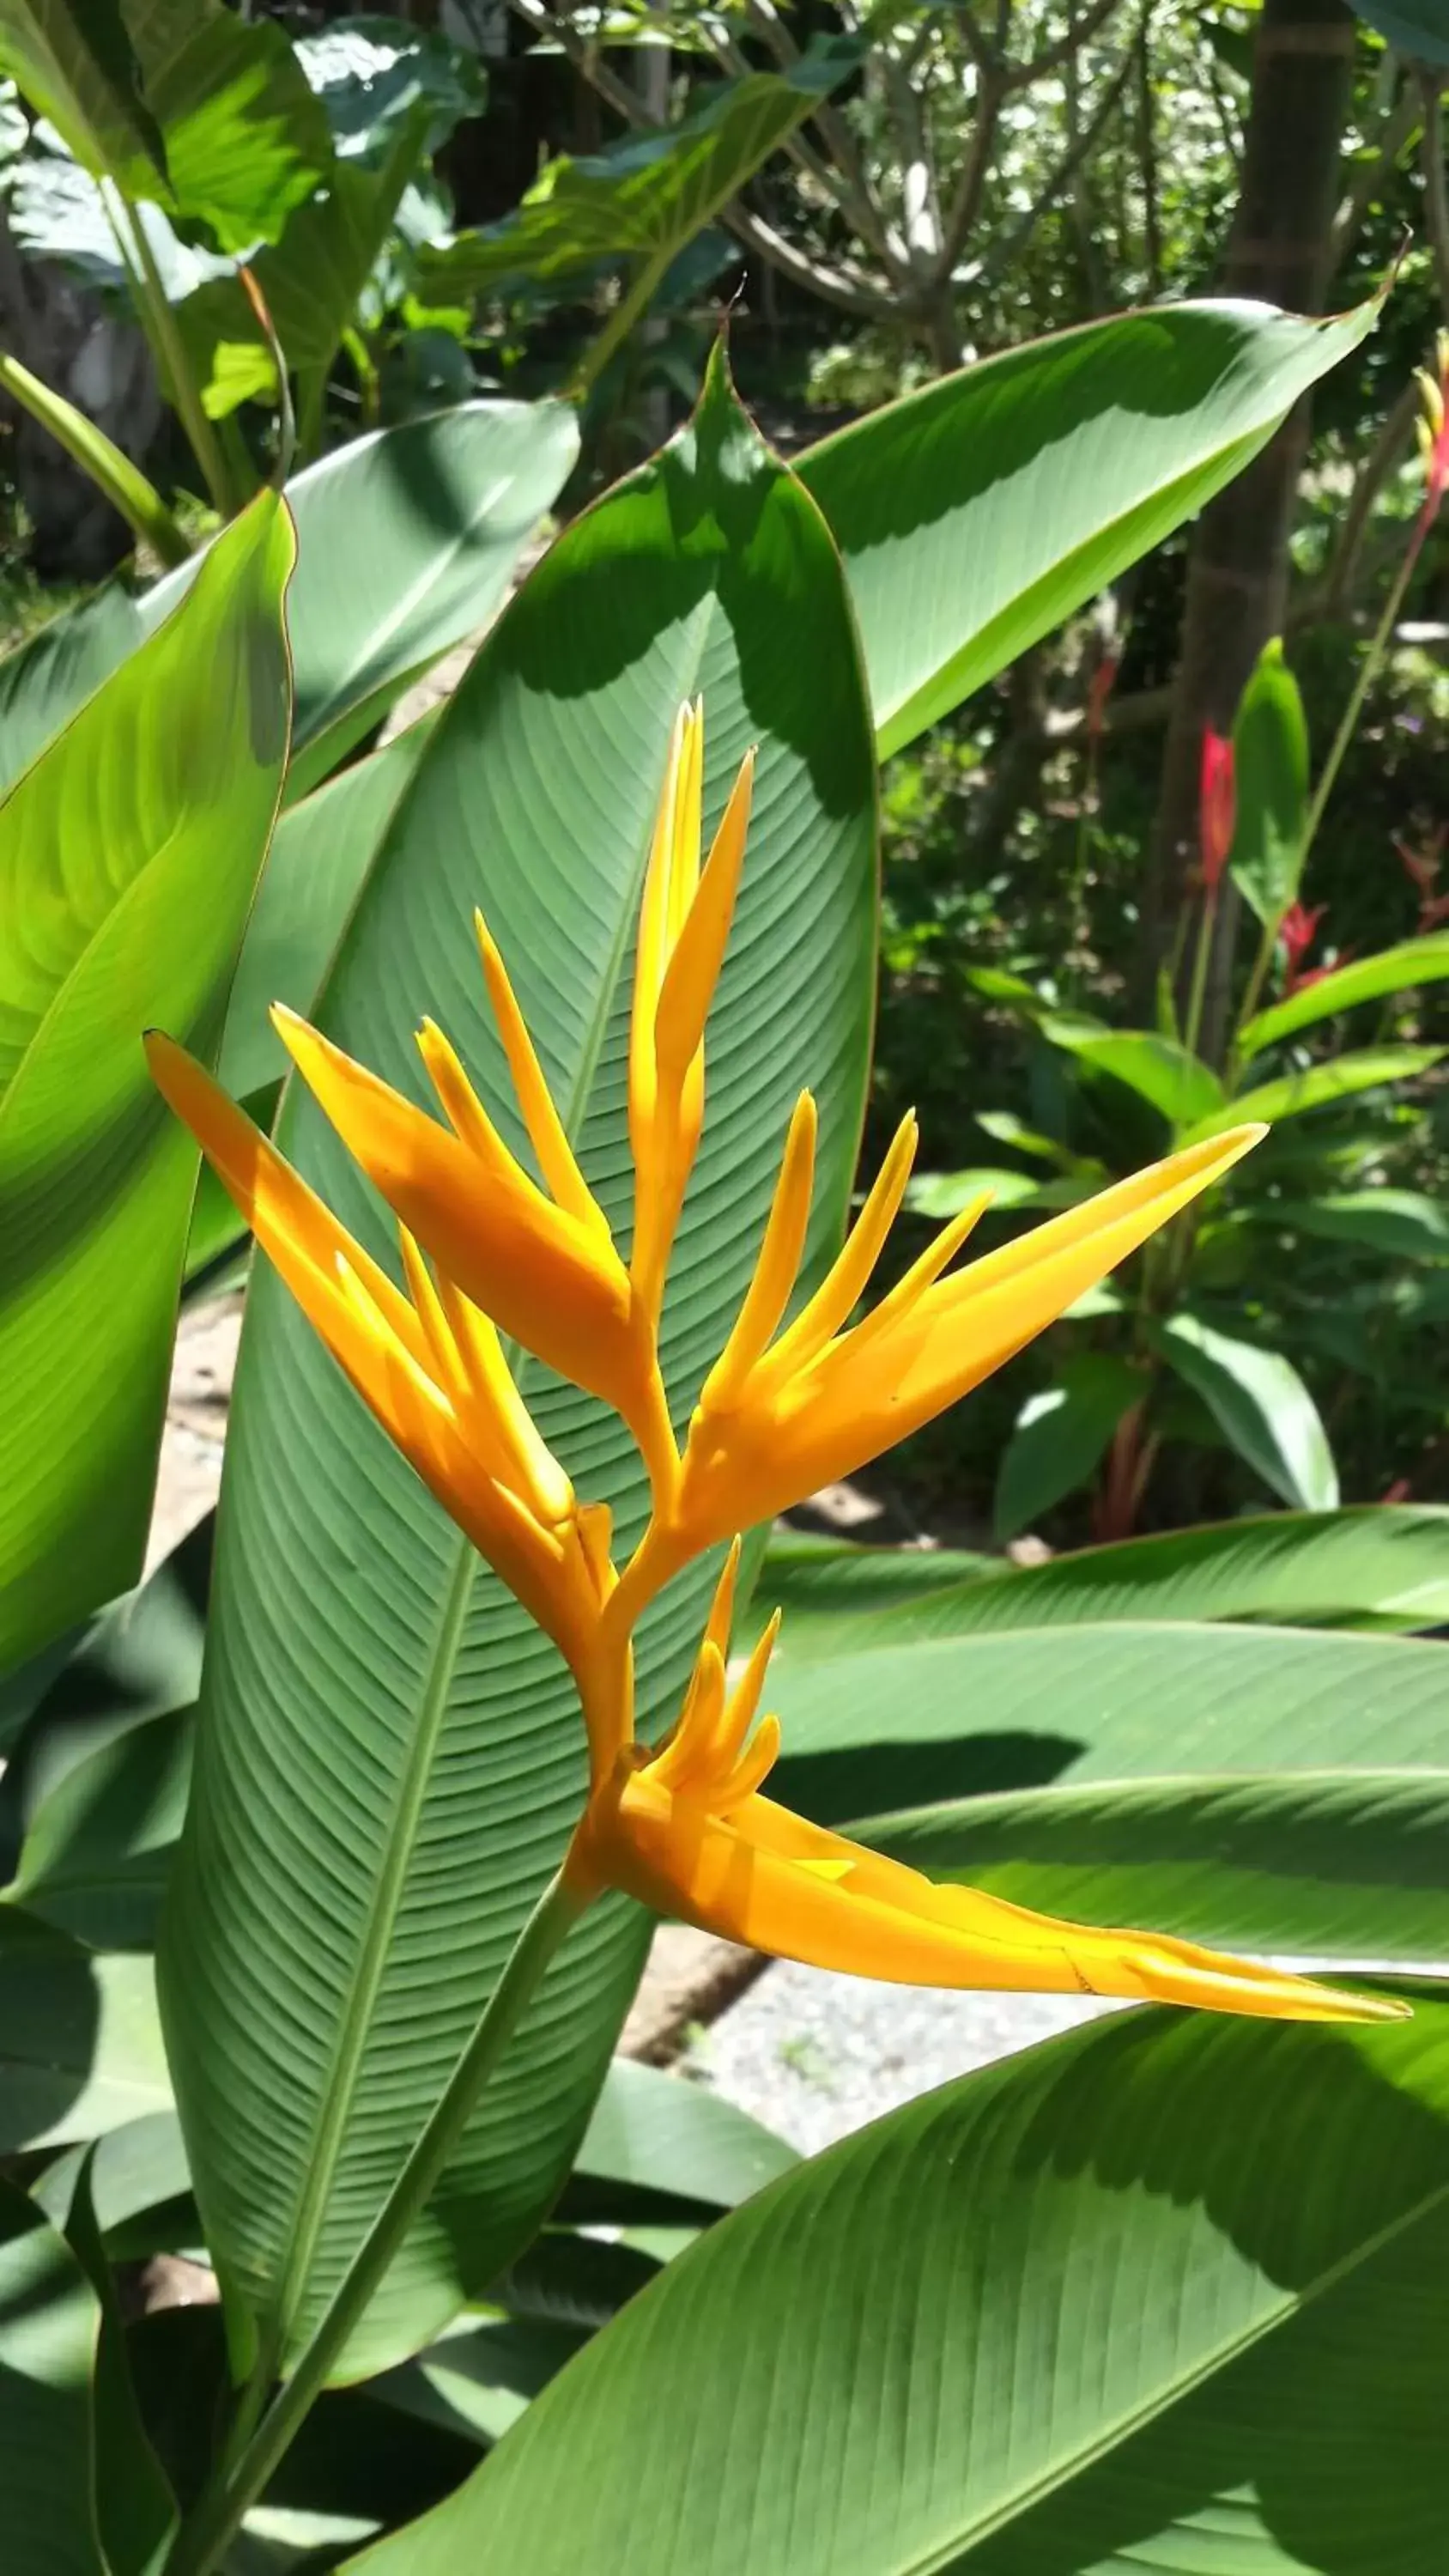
1328, 1866
134, 2171
448, 504
1403, 1225
391, 1758
1160, 2293
245, 139
1060, 1436
1365, 979
1261, 1406
1156, 1068
943, 1194
1416, 28
98, 1854
370, 73
80, 2043
135, 2507
1288, 1097
77, 67
106, 465
1318, 1568
310, 280
645, 197
978, 513
138, 843
50, 2324
893, 1727
318, 863
1270, 778
664, 2134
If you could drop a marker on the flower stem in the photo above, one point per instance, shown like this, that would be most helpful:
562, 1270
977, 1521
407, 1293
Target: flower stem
1367, 673
109, 468
207, 2532
620, 323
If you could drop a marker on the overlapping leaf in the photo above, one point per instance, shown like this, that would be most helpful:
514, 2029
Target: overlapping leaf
1163, 2293
135, 846
977, 514
390, 1758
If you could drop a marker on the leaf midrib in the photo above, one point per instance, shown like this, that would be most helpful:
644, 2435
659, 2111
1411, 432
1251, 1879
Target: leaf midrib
950, 2554
355, 2024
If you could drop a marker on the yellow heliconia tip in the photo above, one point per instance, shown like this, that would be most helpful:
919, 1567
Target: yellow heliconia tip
687, 1831
500, 1234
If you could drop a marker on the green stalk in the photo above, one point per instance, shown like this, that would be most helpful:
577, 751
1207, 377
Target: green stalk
112, 472
170, 353
620, 323
1207, 924
242, 2478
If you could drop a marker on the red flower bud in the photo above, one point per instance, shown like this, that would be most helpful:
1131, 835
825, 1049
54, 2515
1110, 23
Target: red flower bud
1217, 805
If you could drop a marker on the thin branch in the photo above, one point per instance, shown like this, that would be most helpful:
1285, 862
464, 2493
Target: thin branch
585, 58
859, 203
847, 289
966, 201
1390, 444
1012, 243
1053, 57
1398, 128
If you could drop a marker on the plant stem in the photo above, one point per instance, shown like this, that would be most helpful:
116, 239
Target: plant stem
171, 356
1207, 924
620, 323
207, 2532
112, 472
1367, 673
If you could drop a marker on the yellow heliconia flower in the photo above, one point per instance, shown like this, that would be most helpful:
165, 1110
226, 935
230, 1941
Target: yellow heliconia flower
686, 1831
429, 1365
787, 1407
781, 1415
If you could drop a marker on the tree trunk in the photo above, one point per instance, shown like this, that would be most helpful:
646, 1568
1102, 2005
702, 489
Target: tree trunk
1280, 248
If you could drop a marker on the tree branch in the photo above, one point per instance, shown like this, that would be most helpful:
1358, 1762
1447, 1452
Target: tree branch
1397, 129
1053, 57
1012, 243
1436, 196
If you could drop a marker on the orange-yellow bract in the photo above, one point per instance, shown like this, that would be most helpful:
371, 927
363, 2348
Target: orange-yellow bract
787, 1406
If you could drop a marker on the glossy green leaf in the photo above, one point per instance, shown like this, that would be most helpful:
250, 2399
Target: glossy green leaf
1261, 1406
245, 139
1314, 1568
663, 2133
98, 1854
959, 1717
80, 2042
448, 504
370, 72
1060, 1437
316, 868
77, 67
138, 842
1339, 1079
1329, 1865
478, 2379
388, 1751
1364, 979
643, 198
978, 513
1403, 1225
1160, 1071
50, 2324
134, 2170
1270, 776
1167, 2284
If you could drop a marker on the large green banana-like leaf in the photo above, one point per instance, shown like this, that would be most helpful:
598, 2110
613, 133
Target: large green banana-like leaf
245, 138
128, 858
50, 2328
959, 1717
1162, 2294
1330, 1865
390, 1759
1317, 1569
645, 197
447, 505
978, 513
77, 67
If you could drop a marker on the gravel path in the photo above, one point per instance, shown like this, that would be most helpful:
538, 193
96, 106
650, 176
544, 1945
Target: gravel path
815, 2056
